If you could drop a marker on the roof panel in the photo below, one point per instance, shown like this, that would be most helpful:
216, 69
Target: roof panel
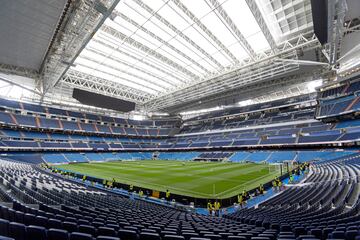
27, 28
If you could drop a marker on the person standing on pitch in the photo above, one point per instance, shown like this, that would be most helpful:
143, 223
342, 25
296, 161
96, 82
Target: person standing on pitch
167, 195
241, 200
210, 208
217, 208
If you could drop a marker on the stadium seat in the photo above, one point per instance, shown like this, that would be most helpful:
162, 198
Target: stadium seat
106, 231
351, 234
29, 219
199, 238
149, 236
6, 238
4, 227
87, 229
70, 227
237, 238
212, 236
301, 237
56, 234
80, 236
127, 234
107, 238
268, 235
36, 232
54, 223
17, 231
338, 235
173, 237
19, 217
316, 232
189, 235
41, 221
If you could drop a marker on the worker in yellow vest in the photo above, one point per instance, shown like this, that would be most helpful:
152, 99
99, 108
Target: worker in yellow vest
167, 195
261, 189
217, 208
141, 193
104, 183
241, 200
210, 208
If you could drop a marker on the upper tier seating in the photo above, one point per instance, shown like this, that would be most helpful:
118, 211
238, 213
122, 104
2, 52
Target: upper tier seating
255, 107
339, 100
284, 125
347, 87
51, 118
244, 121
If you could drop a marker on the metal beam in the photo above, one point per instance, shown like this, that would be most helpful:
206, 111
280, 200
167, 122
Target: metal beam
21, 71
244, 43
336, 18
10, 82
178, 32
238, 75
121, 36
197, 21
235, 81
250, 92
103, 86
302, 62
84, 18
163, 42
262, 24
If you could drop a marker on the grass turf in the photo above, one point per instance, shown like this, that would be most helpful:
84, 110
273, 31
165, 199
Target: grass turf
194, 179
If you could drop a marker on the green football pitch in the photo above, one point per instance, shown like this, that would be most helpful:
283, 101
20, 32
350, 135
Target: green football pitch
194, 179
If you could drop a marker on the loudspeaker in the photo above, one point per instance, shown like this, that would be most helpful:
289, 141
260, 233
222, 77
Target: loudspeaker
320, 15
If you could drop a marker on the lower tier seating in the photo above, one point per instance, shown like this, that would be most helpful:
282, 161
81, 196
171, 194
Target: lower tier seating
325, 206
41, 205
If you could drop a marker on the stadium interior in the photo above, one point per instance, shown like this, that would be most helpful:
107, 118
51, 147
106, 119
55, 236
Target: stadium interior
179, 119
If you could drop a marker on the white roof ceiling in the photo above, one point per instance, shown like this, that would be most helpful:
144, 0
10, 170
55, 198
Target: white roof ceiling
161, 46
156, 46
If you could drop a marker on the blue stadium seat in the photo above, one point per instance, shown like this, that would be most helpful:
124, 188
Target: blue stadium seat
36, 232
149, 236
106, 231
4, 226
127, 234
70, 226
56, 234
87, 229
107, 238
6, 238
17, 231
80, 236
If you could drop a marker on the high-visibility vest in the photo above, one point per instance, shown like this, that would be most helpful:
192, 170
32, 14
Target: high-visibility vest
240, 198
209, 206
217, 205
167, 194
